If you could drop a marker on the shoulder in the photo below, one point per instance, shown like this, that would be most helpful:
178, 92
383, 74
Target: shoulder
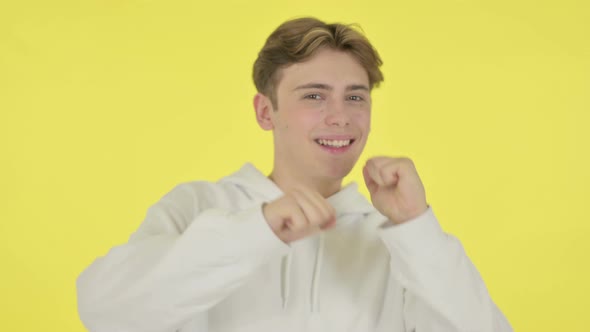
201, 195
176, 210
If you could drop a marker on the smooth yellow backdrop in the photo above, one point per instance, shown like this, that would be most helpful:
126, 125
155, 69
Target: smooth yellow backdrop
107, 105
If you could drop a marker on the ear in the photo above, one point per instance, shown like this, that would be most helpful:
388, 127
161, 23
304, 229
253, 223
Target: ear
263, 108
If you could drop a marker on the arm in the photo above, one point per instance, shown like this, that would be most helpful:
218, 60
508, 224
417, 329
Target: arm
183, 260
444, 291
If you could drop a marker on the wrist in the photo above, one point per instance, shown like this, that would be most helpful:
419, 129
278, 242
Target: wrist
409, 215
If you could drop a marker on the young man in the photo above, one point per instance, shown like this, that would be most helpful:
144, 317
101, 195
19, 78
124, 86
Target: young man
295, 251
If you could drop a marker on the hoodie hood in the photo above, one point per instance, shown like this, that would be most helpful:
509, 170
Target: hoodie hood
347, 201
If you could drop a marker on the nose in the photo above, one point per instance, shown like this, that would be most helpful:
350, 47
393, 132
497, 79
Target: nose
337, 115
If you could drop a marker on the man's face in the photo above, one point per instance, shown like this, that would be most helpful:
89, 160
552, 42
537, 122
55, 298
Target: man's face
323, 118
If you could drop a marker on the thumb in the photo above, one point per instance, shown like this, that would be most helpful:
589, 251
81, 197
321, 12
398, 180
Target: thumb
369, 182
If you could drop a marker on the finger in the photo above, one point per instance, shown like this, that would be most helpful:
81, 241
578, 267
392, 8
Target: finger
391, 168
295, 219
373, 172
382, 161
326, 210
390, 172
328, 225
369, 182
379, 160
308, 207
313, 198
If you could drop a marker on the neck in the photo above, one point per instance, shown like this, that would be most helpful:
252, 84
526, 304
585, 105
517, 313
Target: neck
286, 182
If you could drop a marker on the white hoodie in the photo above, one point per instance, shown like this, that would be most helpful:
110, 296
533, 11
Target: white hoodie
205, 260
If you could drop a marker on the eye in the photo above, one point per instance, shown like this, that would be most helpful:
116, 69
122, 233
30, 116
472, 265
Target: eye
313, 96
356, 98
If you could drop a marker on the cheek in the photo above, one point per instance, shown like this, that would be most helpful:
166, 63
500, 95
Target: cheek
307, 118
363, 120
296, 123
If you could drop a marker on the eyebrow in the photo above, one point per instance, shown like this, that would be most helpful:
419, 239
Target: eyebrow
321, 86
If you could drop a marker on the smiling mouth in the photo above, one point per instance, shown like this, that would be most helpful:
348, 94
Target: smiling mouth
337, 143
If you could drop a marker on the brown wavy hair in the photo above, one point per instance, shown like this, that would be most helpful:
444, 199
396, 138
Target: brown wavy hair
299, 39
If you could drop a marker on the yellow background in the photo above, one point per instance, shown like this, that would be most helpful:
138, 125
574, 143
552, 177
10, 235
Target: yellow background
106, 105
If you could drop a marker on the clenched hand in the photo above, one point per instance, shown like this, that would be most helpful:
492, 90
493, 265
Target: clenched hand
395, 187
298, 214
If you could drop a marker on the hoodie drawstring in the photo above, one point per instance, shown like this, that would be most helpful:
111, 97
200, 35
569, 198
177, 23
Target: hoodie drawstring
285, 278
317, 270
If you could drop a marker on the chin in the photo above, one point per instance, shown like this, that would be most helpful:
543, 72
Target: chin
339, 171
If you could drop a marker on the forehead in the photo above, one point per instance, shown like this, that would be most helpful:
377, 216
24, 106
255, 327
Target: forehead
335, 68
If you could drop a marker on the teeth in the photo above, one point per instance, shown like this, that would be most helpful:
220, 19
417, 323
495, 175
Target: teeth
334, 143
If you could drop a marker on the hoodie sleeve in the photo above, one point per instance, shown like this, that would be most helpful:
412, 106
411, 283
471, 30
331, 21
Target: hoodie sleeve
444, 291
182, 261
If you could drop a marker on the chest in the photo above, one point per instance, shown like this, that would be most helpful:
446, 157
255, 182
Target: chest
329, 284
